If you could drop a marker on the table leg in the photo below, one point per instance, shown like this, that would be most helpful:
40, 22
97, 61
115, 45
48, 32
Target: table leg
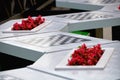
107, 33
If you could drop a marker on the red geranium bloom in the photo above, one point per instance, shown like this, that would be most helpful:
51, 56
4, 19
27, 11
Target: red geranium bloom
86, 56
119, 7
28, 24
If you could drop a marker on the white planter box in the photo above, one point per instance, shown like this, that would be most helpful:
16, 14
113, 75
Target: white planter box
38, 28
100, 65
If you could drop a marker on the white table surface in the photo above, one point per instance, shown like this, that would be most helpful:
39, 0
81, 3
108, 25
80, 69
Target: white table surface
48, 62
28, 74
53, 26
101, 5
28, 47
103, 19
85, 4
111, 8
69, 24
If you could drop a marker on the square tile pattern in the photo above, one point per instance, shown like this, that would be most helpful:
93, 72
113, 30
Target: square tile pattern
54, 40
85, 16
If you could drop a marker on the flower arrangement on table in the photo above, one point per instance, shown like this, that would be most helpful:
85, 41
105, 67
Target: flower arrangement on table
86, 56
28, 24
119, 7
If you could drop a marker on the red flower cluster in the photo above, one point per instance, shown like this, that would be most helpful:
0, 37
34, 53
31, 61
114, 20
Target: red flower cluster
119, 7
28, 24
86, 56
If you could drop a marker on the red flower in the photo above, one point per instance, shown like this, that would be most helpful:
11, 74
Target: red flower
86, 56
28, 24
90, 62
16, 26
119, 7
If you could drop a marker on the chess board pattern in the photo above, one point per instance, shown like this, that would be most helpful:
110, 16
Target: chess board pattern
103, 1
84, 16
8, 77
108, 1
54, 40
